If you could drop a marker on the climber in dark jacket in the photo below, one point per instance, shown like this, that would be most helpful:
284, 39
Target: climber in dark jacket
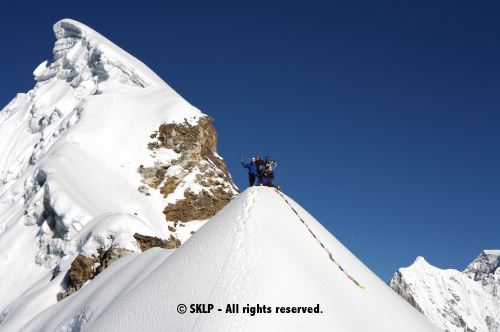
252, 171
261, 167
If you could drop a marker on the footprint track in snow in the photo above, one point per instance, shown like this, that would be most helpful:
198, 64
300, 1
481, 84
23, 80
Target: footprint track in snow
237, 271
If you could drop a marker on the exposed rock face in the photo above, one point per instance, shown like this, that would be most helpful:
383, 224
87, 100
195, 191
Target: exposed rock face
196, 182
398, 283
486, 270
197, 206
455, 301
82, 269
147, 242
86, 268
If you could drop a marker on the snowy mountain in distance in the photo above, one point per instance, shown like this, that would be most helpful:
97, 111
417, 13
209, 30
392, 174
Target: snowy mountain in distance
97, 160
256, 250
455, 301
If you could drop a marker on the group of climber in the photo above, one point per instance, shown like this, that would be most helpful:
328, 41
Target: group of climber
260, 172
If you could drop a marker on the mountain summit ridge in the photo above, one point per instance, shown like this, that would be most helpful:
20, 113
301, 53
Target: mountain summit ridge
254, 251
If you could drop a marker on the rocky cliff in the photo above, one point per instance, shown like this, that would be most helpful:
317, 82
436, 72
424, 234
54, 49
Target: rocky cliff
196, 182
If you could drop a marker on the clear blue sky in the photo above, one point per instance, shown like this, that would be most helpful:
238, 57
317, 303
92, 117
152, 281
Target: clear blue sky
384, 116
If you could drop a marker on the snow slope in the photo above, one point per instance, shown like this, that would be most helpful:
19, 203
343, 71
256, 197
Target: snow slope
69, 153
455, 301
254, 251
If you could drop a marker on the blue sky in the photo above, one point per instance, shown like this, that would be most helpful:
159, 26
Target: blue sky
384, 116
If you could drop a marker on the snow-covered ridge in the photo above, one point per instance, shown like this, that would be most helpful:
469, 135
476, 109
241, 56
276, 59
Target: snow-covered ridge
455, 301
254, 251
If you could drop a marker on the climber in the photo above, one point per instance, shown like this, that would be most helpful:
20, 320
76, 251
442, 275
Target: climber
252, 170
272, 163
261, 167
268, 176
268, 173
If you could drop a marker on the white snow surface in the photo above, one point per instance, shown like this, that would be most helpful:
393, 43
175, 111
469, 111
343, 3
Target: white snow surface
254, 251
69, 153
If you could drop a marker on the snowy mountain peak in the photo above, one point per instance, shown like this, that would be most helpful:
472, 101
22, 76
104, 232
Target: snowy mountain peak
82, 55
420, 260
455, 301
100, 155
102, 160
419, 264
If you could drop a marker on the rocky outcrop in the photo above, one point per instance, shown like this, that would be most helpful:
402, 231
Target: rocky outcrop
486, 270
196, 182
82, 269
198, 206
399, 285
85, 268
147, 242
